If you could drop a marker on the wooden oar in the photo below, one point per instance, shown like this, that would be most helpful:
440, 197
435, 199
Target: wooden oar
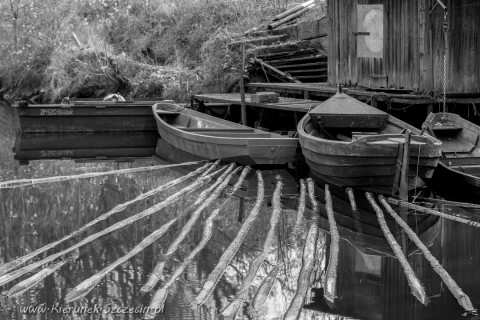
232, 308
157, 272
118, 208
229, 253
161, 294
457, 292
30, 182
6, 278
417, 289
330, 286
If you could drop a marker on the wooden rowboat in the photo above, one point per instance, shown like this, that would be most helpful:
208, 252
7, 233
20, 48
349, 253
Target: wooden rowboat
86, 116
458, 173
349, 143
213, 138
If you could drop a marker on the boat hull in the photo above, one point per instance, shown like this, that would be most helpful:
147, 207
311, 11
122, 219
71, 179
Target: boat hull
369, 163
251, 148
86, 117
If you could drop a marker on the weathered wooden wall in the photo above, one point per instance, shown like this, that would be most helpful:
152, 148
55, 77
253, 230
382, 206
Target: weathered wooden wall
413, 46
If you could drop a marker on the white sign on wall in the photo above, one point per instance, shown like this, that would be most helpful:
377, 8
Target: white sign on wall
370, 31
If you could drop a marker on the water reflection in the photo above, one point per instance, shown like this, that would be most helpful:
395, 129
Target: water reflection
371, 284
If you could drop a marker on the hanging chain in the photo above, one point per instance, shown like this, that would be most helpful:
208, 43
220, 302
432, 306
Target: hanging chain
445, 29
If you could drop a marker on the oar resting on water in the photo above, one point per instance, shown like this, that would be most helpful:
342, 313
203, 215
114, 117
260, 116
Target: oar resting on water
417, 289
31, 182
232, 308
161, 294
6, 278
220, 184
118, 208
229, 253
457, 292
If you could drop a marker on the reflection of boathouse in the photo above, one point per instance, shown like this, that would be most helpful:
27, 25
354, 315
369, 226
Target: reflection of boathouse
374, 287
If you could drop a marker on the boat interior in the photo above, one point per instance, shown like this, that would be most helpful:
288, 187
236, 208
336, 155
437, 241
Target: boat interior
360, 126
460, 142
173, 116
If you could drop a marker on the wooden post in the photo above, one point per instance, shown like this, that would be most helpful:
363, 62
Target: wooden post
242, 89
404, 183
306, 95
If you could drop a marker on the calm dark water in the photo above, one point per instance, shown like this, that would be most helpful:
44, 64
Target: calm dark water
369, 286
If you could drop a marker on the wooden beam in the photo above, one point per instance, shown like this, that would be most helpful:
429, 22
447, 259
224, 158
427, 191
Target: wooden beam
266, 65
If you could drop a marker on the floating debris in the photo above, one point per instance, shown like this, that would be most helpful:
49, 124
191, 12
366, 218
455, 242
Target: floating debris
220, 184
31, 182
160, 295
227, 256
330, 287
6, 278
457, 292
308, 260
417, 288
233, 307
15, 263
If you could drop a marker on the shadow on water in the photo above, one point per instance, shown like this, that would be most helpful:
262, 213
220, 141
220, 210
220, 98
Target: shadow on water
371, 284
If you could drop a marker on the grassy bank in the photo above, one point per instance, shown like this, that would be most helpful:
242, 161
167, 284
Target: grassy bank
57, 48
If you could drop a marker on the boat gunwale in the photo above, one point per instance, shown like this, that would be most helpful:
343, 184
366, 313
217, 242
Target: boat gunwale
218, 140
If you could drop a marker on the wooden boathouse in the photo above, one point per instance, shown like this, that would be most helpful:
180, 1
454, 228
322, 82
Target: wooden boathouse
400, 44
389, 54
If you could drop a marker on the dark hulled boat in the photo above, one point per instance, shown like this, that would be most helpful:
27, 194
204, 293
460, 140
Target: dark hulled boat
349, 143
458, 173
212, 138
86, 116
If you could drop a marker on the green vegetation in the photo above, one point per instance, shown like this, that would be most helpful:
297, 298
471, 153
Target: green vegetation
56, 48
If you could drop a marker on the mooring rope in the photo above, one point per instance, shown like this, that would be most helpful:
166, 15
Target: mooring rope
30, 182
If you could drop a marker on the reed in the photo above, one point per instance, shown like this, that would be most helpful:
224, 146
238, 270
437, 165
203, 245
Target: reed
308, 260
331, 275
417, 289
87, 285
31, 182
205, 193
265, 287
6, 278
300, 209
303, 281
220, 184
457, 292
161, 294
118, 208
434, 212
29, 283
229, 253
232, 308
351, 197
